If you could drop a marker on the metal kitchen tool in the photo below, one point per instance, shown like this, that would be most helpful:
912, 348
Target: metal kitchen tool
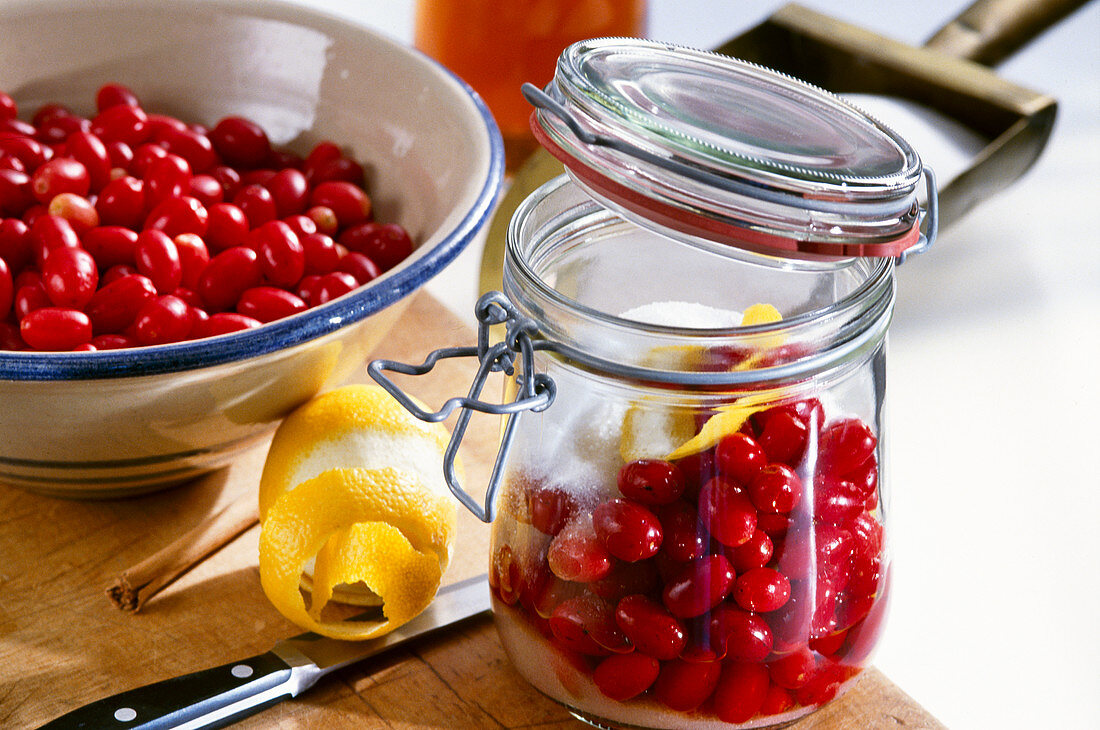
1011, 123
218, 697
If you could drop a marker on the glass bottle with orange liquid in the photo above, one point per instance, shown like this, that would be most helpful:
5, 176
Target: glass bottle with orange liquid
495, 46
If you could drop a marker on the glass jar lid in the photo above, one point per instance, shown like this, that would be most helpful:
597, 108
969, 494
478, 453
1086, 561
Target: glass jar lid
708, 148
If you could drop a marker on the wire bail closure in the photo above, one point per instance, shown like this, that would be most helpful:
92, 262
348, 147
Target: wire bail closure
535, 391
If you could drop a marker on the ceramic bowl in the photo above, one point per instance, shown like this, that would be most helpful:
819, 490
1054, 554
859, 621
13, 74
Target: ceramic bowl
112, 423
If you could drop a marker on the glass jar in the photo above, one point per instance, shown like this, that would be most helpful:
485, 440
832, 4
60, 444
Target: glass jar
691, 529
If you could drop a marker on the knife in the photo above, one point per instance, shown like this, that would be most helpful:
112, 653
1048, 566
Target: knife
218, 697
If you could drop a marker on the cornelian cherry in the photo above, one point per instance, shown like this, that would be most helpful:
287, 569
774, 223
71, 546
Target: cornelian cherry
683, 685
651, 481
650, 627
628, 530
698, 586
726, 512
622, 676
739, 457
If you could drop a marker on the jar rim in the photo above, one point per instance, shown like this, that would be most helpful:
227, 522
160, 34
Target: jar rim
869, 305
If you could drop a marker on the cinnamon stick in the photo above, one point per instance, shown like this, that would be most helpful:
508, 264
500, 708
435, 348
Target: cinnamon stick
141, 582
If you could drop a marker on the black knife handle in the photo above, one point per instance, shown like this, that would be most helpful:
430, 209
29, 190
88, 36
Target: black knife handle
221, 695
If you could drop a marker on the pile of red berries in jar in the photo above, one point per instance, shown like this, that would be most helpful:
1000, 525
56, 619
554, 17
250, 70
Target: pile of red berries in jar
742, 585
132, 228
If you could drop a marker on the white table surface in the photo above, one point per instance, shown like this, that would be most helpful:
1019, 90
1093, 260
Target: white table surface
995, 353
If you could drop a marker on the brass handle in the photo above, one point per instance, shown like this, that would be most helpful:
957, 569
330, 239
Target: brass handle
990, 31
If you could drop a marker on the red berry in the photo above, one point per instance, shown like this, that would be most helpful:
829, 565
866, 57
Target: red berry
70, 277
110, 95
386, 244
7, 289
163, 320
193, 258
55, 328
823, 686
699, 586
684, 537
90, 151
79, 211
550, 509
15, 243
157, 257
113, 342
622, 676
322, 256
576, 554
363, 269
15, 192
836, 499
110, 246
223, 323
8, 108
227, 226
282, 258
753, 553
240, 142
776, 488
783, 436
649, 627
739, 634
626, 579
324, 218
122, 123
350, 204
333, 285
651, 481
28, 298
257, 204
793, 670
761, 590
845, 445
113, 308
178, 215
628, 530
683, 686
289, 190
166, 177
739, 457
227, 276
121, 202
829, 645
740, 691
190, 145
206, 189
268, 303
777, 700
586, 624
726, 512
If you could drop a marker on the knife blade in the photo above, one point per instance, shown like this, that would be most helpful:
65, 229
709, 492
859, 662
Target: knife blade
217, 697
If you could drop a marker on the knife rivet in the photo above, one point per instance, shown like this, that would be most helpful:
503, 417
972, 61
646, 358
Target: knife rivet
241, 671
125, 714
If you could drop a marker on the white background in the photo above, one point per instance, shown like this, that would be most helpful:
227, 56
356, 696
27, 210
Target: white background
994, 360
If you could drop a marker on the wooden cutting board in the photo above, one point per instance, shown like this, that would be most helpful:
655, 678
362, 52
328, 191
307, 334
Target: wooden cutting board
62, 644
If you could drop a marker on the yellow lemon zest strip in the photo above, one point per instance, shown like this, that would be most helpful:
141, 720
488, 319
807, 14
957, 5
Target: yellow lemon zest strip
335, 516
759, 314
728, 420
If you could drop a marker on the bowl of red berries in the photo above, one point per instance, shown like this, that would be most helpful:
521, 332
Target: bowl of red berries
209, 212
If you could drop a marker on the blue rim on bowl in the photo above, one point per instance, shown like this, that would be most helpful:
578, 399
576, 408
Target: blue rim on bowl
280, 334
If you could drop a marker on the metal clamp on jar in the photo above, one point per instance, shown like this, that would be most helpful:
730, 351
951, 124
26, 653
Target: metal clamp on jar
691, 523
